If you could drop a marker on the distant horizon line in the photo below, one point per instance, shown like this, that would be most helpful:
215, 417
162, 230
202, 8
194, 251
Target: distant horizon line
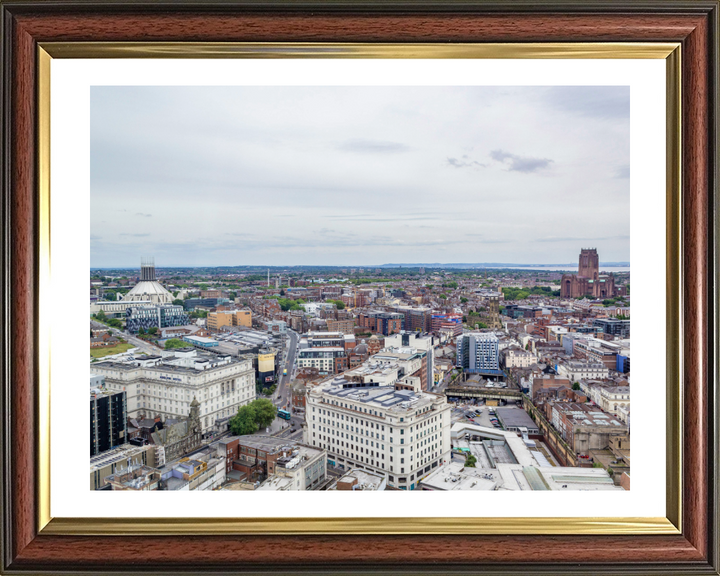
433, 265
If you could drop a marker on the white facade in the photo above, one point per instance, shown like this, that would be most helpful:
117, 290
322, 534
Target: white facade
516, 358
612, 398
167, 386
322, 358
303, 469
116, 307
149, 290
578, 370
400, 434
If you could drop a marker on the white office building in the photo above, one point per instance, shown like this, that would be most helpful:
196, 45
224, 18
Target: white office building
576, 370
398, 433
165, 386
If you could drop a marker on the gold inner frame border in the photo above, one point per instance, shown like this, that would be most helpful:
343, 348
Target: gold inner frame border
671, 524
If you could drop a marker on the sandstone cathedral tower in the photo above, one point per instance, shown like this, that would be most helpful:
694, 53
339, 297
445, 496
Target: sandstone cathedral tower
588, 281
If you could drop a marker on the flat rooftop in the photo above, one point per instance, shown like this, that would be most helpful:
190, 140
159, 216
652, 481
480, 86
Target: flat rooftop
514, 417
267, 443
119, 454
455, 476
385, 397
366, 480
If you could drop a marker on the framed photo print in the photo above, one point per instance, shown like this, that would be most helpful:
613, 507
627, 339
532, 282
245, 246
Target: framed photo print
359, 287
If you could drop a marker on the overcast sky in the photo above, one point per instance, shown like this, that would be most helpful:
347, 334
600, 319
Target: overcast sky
212, 176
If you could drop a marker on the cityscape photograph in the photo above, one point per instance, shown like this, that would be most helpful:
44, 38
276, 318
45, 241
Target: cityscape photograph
360, 288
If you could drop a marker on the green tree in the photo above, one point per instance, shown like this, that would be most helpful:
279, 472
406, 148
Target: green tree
576, 386
174, 343
265, 412
470, 461
114, 323
244, 421
101, 316
153, 330
463, 299
141, 332
178, 302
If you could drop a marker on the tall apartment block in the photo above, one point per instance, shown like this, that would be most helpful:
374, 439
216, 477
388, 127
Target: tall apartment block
478, 353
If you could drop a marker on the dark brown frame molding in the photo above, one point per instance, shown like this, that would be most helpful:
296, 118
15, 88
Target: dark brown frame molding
693, 23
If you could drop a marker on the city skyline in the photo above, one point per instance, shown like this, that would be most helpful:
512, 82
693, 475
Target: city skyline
328, 176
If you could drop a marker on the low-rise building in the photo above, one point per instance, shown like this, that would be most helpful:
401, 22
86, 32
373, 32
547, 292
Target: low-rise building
302, 468
204, 472
584, 427
607, 395
518, 358
576, 370
327, 359
613, 326
255, 458
117, 460
506, 461
344, 326
217, 321
135, 478
361, 480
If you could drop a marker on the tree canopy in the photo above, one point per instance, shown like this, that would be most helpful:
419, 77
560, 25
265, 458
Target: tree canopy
174, 343
523, 293
265, 411
250, 418
289, 304
244, 421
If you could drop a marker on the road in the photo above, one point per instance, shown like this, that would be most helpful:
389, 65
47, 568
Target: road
144, 346
293, 431
281, 397
440, 387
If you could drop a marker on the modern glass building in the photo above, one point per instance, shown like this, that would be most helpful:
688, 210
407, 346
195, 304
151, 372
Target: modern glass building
613, 326
108, 420
162, 316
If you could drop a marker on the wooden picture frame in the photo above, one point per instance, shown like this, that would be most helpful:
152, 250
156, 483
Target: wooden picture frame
31, 543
